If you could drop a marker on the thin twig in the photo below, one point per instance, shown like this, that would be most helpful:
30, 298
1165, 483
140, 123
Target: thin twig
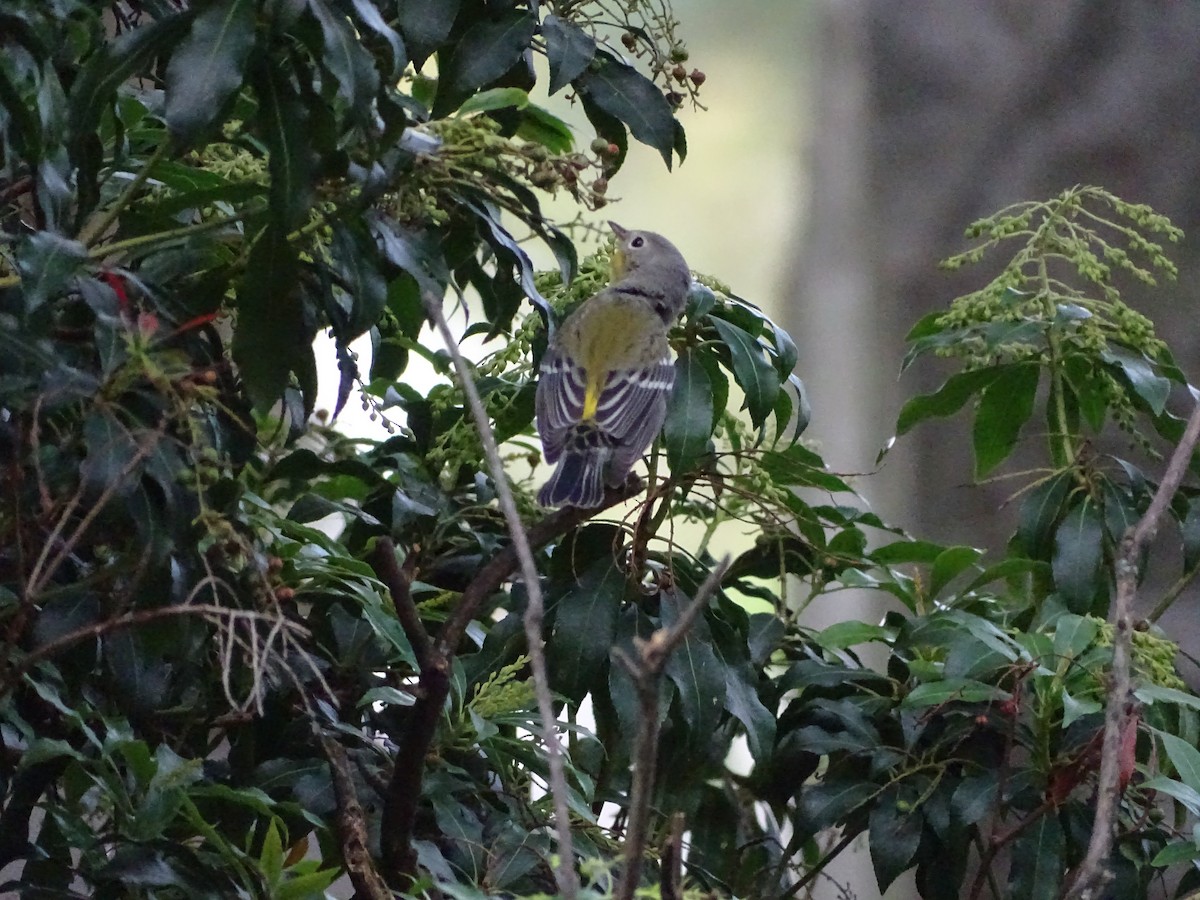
568, 883
671, 874
217, 614
1093, 874
352, 824
646, 671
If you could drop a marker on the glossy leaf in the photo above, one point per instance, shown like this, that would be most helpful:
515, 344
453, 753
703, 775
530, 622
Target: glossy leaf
485, 52
627, 95
569, 50
1040, 512
368, 14
1005, 404
946, 400
1139, 372
697, 673
354, 255
895, 832
208, 67
345, 57
754, 373
689, 421
585, 624
1037, 861
270, 337
283, 122
1078, 562
425, 24
47, 263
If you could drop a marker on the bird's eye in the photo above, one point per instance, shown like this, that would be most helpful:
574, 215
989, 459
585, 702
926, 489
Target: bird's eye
637, 241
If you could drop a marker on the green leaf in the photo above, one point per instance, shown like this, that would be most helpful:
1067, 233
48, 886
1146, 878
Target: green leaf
949, 690
1072, 635
946, 400
1190, 533
544, 128
1181, 851
1040, 512
354, 256
495, 98
569, 50
425, 24
697, 673
974, 798
369, 15
850, 633
1184, 757
1079, 556
743, 703
283, 122
688, 426
1120, 509
829, 802
1153, 693
949, 564
47, 263
1177, 790
1037, 861
271, 339
797, 466
484, 53
208, 66
1004, 406
895, 830
111, 66
754, 374
1139, 372
387, 696
585, 624
350, 63
627, 95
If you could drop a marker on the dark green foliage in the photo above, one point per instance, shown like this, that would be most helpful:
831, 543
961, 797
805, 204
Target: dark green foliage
192, 605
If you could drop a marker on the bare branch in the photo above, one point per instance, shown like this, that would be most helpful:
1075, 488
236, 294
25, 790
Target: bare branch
652, 656
383, 561
352, 824
1093, 874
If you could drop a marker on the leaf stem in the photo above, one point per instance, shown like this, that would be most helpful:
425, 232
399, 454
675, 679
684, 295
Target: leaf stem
97, 227
1057, 398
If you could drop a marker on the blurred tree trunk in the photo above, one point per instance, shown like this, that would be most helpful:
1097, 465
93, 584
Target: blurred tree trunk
930, 114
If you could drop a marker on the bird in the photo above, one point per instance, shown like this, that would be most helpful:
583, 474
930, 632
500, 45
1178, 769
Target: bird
607, 373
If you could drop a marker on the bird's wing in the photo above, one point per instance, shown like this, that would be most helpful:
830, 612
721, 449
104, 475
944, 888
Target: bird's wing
559, 403
632, 407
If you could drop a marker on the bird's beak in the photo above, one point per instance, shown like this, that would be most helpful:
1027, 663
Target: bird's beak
618, 257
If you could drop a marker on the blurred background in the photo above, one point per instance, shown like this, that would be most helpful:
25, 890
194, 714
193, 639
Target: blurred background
847, 145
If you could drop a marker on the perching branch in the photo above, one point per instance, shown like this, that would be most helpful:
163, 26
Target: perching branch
1093, 873
646, 671
352, 824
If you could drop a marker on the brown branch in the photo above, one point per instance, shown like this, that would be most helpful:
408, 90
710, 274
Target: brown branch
399, 583
505, 563
1093, 874
352, 824
404, 788
646, 671
671, 869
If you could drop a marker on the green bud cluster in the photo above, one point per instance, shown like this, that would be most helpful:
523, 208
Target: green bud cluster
1153, 656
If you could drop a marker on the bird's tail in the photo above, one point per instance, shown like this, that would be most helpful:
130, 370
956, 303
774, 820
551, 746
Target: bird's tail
578, 479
